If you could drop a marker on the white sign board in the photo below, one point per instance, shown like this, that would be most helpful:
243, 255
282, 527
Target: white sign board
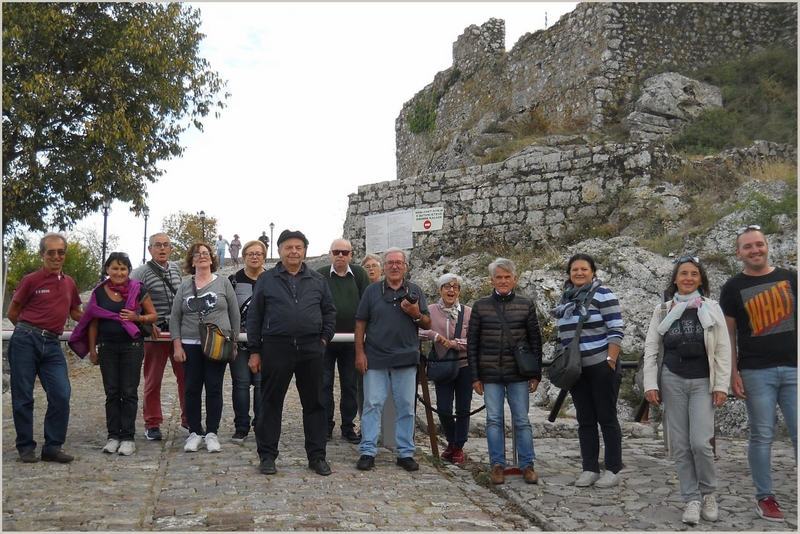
386, 230
428, 219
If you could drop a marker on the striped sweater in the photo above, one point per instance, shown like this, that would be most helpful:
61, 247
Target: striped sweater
603, 326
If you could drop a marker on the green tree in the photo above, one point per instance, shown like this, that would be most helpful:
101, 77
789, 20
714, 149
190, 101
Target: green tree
94, 96
184, 229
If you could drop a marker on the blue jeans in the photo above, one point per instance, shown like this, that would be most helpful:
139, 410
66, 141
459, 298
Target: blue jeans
343, 354
199, 372
376, 389
121, 367
242, 378
765, 389
518, 396
31, 355
456, 430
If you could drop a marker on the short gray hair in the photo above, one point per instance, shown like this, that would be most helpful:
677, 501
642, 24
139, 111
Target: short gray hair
394, 249
503, 263
447, 278
48, 236
154, 236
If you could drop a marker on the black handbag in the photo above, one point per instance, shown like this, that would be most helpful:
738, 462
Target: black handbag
527, 365
445, 369
566, 367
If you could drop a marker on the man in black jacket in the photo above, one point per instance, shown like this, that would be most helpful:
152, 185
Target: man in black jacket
495, 373
290, 321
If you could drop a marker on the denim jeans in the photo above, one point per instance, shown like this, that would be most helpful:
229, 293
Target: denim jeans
595, 398
121, 367
765, 389
343, 356
376, 388
242, 378
689, 409
199, 372
518, 396
456, 430
31, 355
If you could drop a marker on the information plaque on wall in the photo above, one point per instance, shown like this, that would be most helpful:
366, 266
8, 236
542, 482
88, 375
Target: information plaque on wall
386, 230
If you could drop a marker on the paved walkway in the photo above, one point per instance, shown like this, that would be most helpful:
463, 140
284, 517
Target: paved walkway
162, 488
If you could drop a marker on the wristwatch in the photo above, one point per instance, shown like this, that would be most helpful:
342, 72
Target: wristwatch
610, 359
418, 319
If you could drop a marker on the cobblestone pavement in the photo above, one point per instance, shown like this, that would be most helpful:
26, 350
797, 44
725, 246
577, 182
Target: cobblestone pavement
160, 487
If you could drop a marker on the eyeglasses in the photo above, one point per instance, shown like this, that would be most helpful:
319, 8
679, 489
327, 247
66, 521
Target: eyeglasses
693, 259
454, 287
254, 254
162, 245
204, 254
60, 252
741, 231
394, 263
340, 252
372, 266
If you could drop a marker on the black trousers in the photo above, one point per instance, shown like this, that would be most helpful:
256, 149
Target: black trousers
279, 363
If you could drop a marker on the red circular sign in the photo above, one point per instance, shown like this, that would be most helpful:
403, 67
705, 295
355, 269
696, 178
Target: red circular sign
427, 225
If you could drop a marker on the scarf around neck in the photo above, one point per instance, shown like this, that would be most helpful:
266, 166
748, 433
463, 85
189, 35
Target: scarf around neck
575, 298
680, 304
121, 289
452, 311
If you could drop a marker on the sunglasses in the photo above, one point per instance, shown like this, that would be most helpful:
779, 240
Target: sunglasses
118, 255
693, 259
741, 231
60, 252
340, 252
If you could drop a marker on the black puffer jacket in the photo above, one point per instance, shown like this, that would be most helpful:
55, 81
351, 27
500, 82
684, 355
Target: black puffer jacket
488, 351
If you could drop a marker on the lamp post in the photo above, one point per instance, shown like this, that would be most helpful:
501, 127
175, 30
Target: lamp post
106, 209
203, 226
271, 242
146, 213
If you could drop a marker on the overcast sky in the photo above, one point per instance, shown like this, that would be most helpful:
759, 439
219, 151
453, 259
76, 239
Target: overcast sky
315, 91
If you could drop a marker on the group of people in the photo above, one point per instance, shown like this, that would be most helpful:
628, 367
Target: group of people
696, 348
222, 245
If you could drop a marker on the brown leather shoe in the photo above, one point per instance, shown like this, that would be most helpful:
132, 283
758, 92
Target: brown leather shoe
530, 475
498, 474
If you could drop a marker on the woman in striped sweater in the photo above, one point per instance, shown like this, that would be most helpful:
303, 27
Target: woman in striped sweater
595, 393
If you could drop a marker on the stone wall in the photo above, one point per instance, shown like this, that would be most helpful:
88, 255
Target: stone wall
541, 192
579, 73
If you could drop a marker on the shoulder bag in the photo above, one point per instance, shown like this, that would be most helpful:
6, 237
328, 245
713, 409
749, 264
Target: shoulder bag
566, 367
526, 363
216, 345
445, 369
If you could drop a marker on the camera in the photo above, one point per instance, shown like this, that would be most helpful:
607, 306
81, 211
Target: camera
411, 297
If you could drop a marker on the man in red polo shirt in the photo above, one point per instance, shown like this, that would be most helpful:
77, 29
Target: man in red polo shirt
39, 308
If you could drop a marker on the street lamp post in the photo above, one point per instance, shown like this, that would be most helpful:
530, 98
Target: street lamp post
146, 213
271, 242
106, 209
203, 226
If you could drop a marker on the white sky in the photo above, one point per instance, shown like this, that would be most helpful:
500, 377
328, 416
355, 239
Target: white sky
315, 91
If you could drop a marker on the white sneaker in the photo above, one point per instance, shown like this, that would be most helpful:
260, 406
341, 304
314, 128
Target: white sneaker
607, 480
192, 443
127, 448
709, 511
586, 479
212, 442
111, 446
692, 514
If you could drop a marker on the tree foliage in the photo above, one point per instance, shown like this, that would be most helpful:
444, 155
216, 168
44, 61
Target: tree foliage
94, 96
184, 229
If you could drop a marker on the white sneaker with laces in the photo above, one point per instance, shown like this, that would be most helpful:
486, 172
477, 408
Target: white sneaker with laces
586, 479
111, 446
692, 514
127, 448
709, 511
212, 442
607, 480
193, 442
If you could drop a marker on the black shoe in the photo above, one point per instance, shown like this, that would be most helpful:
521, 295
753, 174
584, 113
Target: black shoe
56, 456
28, 457
267, 466
352, 437
330, 434
408, 464
320, 466
366, 462
153, 434
239, 436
